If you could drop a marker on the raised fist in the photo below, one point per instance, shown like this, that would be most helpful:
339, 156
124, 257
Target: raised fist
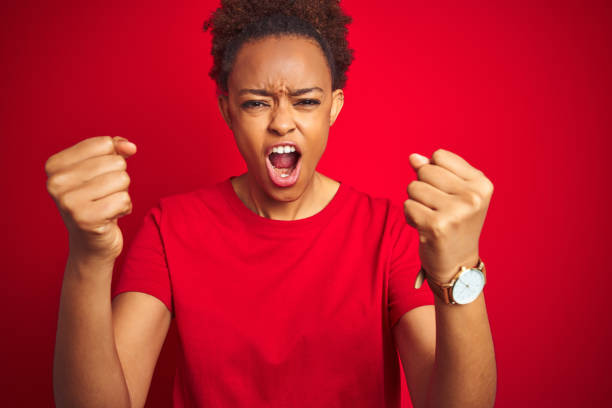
448, 204
89, 184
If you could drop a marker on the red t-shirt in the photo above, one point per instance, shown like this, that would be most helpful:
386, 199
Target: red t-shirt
275, 313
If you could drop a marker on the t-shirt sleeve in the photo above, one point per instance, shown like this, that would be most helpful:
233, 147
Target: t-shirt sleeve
404, 267
145, 266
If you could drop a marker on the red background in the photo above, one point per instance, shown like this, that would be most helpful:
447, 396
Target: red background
519, 89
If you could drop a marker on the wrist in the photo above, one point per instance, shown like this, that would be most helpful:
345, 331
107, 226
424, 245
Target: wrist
90, 266
447, 274
461, 288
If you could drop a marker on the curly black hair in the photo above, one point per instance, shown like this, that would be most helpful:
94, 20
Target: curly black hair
238, 21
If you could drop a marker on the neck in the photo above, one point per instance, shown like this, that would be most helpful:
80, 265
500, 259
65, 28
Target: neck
315, 197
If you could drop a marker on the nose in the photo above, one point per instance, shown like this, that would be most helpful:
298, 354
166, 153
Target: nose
281, 121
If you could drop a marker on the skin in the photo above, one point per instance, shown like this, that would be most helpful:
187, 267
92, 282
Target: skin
447, 350
106, 352
260, 110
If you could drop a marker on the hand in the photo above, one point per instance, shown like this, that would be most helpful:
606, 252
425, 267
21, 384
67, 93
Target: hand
89, 184
448, 204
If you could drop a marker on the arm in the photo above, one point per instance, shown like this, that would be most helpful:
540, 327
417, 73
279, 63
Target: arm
86, 367
447, 354
450, 344
105, 353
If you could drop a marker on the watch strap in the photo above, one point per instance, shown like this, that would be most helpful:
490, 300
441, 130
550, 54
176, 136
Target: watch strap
444, 290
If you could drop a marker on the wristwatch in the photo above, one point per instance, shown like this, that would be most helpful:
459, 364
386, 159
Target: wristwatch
462, 289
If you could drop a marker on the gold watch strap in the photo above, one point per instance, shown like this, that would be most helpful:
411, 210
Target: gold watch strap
444, 290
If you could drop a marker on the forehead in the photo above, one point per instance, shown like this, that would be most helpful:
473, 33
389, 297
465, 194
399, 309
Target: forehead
280, 63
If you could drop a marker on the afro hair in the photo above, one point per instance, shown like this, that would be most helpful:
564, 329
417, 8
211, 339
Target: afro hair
239, 21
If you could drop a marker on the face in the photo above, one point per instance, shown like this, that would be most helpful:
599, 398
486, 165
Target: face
280, 93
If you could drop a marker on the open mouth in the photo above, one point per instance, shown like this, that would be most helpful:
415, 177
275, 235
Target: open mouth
284, 163
284, 166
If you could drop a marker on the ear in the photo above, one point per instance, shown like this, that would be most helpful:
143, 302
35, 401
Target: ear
337, 102
223, 103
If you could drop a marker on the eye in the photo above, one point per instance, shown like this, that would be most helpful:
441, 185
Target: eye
253, 104
309, 102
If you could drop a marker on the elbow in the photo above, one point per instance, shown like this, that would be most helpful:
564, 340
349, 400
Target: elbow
491, 393
69, 394
481, 397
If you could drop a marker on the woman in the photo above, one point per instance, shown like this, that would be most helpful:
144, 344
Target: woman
288, 288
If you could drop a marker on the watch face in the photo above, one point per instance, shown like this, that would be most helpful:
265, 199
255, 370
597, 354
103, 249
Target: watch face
468, 286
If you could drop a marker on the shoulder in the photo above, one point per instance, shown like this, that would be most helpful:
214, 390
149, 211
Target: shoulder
367, 200
202, 194
388, 214
190, 206
378, 209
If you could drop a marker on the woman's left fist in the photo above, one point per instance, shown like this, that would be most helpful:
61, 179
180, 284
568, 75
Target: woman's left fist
448, 204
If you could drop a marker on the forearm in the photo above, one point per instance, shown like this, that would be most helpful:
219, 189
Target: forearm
465, 372
86, 367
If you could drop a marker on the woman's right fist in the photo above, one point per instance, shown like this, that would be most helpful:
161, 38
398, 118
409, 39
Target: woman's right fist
89, 184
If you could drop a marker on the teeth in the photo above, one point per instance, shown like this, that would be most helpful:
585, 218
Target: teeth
283, 149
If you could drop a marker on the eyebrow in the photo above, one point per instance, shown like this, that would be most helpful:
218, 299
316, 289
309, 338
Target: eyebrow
263, 92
